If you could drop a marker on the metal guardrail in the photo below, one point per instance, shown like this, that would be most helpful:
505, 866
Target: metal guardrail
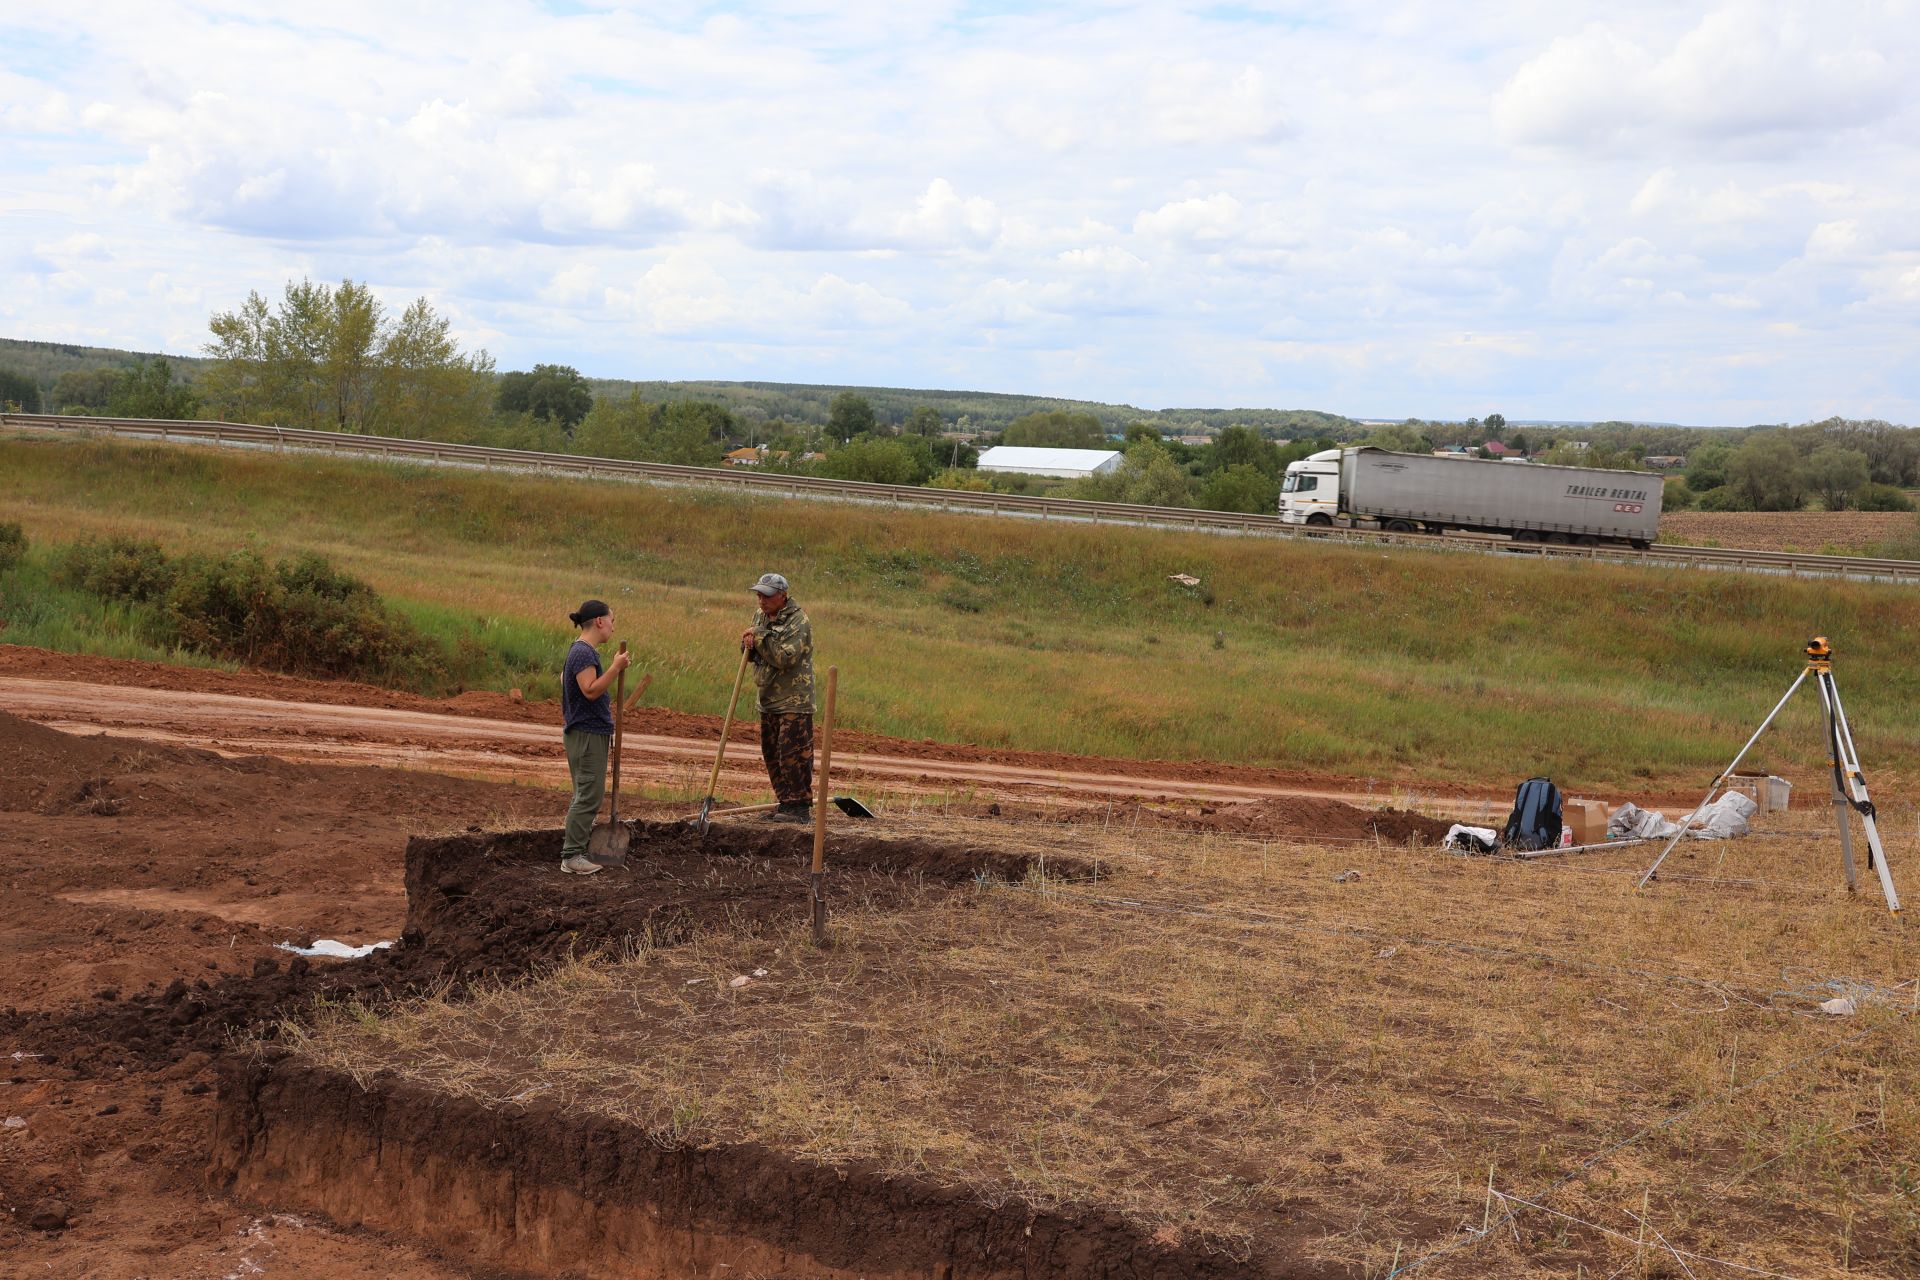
955, 500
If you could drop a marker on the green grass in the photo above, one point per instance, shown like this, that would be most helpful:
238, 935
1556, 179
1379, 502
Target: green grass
1018, 633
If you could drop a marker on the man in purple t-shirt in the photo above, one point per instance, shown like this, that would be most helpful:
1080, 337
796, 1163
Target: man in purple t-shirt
589, 728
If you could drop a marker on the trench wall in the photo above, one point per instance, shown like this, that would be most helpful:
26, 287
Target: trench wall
537, 1192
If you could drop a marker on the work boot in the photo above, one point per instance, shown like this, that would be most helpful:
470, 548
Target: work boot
798, 814
580, 865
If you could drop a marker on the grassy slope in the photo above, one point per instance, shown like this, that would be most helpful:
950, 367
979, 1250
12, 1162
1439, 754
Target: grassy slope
1408, 665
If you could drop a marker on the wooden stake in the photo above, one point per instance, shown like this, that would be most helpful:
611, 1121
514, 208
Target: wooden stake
816, 888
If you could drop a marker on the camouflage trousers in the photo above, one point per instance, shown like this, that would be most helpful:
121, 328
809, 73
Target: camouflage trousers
786, 744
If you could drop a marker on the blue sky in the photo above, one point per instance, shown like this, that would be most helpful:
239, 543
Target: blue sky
1674, 212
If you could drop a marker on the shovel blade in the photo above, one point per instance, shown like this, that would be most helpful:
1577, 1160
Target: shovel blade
706, 813
608, 844
851, 807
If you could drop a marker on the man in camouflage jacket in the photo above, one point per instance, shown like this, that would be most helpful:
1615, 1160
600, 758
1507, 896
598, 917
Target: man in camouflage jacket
780, 646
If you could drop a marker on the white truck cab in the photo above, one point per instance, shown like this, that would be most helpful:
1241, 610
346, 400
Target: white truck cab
1310, 493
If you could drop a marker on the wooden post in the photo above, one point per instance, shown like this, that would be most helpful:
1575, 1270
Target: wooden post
816, 889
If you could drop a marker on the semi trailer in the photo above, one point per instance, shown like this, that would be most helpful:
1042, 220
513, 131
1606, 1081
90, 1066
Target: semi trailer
1529, 502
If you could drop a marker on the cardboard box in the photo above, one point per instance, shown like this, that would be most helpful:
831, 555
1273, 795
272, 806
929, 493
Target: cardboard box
1587, 819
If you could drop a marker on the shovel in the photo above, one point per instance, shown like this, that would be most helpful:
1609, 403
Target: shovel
713, 783
845, 804
608, 843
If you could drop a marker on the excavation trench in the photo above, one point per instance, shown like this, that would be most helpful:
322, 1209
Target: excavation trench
494, 906
537, 1191
540, 1191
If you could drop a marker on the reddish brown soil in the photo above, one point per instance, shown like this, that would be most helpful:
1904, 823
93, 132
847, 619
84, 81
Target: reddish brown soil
126, 867
22, 661
148, 883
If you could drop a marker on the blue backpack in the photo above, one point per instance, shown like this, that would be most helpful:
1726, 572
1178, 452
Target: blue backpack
1535, 820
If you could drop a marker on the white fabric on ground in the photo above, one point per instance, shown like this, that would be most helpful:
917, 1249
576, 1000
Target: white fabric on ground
1470, 839
1726, 817
340, 950
1631, 820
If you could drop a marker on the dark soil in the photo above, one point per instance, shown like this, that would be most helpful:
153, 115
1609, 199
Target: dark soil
496, 904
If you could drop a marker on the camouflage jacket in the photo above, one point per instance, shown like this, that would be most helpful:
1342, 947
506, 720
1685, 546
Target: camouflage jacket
783, 661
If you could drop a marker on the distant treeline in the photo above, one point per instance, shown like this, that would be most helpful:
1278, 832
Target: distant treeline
334, 358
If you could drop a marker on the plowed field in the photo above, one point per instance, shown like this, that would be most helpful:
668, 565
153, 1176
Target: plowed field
1814, 532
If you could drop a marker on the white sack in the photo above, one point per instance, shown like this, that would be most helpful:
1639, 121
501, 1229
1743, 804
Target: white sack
1726, 817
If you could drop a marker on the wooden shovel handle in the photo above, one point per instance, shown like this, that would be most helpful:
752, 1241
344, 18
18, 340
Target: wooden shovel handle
619, 692
726, 725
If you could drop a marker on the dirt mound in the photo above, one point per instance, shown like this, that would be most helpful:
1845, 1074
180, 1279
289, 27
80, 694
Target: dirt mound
1309, 817
497, 904
1284, 817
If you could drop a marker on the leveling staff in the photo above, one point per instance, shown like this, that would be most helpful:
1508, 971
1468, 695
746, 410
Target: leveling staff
780, 646
589, 728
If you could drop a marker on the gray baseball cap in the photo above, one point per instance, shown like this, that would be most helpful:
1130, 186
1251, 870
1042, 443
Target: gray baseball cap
770, 584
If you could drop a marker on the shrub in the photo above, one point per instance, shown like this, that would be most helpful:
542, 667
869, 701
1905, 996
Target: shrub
13, 544
119, 569
1725, 498
301, 615
1882, 497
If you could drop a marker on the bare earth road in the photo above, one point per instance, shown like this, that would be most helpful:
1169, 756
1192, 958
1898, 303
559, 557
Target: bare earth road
506, 750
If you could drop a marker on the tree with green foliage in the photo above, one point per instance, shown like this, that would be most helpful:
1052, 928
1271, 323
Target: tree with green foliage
1148, 476
688, 433
1241, 487
616, 428
148, 391
554, 391
1834, 475
1056, 429
332, 359
876, 460
1766, 472
18, 392
1881, 497
1401, 437
925, 421
1242, 447
1496, 422
83, 390
1142, 433
850, 415
1707, 467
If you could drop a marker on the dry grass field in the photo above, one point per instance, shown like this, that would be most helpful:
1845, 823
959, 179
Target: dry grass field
1439, 1065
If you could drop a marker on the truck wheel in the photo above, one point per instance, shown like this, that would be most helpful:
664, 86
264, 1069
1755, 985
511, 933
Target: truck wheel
1525, 535
1587, 540
1436, 529
1398, 526
1559, 539
1320, 520
1640, 544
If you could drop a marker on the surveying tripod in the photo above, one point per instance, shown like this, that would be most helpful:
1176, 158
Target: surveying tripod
1849, 784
